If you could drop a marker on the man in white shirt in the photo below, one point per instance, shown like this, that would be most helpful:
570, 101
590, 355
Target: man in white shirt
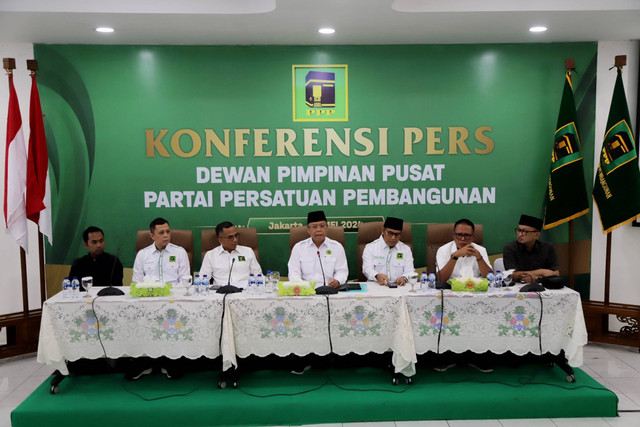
461, 257
162, 260
318, 258
229, 263
387, 259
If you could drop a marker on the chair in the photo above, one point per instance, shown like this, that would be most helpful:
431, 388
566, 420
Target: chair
370, 231
248, 237
498, 264
182, 238
440, 234
297, 234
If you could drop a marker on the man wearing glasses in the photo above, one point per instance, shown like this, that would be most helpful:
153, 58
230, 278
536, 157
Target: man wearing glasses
318, 258
229, 262
529, 257
387, 259
462, 257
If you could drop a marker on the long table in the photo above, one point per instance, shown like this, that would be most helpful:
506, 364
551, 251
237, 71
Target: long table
378, 320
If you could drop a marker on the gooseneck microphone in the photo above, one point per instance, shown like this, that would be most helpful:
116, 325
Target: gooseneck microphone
439, 283
324, 289
229, 288
111, 291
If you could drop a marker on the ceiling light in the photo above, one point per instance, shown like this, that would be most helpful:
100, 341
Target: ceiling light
104, 30
539, 29
326, 31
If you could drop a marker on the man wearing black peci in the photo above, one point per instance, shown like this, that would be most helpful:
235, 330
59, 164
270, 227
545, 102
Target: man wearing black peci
529, 257
106, 269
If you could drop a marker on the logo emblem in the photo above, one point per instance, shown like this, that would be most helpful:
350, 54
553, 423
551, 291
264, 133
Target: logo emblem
172, 258
241, 258
400, 255
320, 93
619, 147
566, 148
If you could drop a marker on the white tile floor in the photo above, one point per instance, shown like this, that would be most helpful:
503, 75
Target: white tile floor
616, 367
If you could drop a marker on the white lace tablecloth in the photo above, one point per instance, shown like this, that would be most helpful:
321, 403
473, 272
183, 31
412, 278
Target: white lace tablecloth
165, 326
376, 321
503, 321
397, 320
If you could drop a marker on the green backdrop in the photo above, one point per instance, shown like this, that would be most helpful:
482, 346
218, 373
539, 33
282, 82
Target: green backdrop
129, 125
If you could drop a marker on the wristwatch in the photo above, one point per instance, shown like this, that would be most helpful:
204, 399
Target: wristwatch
455, 258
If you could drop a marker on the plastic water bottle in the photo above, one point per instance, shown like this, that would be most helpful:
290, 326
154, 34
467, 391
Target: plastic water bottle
196, 285
491, 278
251, 286
498, 279
424, 279
204, 285
66, 288
431, 279
75, 288
259, 284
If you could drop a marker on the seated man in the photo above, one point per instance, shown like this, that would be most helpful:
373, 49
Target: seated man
387, 259
318, 258
529, 257
106, 269
461, 257
229, 262
162, 260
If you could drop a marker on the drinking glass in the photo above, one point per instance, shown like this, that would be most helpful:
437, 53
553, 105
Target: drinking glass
413, 281
87, 283
186, 281
275, 278
507, 280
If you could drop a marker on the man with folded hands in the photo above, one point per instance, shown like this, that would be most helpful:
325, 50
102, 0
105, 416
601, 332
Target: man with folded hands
528, 256
386, 259
461, 257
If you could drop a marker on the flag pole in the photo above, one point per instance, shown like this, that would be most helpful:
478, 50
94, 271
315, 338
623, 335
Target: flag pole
620, 62
9, 64
570, 67
32, 66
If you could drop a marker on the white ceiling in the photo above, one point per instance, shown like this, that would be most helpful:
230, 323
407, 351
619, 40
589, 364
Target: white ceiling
225, 22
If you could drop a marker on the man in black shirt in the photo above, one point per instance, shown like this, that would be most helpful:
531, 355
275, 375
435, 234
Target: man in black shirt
105, 268
529, 257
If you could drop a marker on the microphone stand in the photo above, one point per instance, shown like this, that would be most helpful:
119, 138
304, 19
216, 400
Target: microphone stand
111, 291
439, 283
229, 288
324, 289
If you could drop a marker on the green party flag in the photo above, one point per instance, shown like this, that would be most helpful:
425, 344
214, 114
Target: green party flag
566, 196
616, 190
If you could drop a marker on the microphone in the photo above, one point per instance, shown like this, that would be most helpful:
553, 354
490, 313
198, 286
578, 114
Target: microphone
229, 288
324, 289
111, 291
439, 283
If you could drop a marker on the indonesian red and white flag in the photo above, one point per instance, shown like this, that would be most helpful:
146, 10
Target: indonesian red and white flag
38, 197
15, 173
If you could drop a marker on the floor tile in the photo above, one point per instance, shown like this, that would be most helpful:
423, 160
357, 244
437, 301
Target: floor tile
628, 419
373, 424
613, 367
528, 422
432, 423
579, 422
474, 423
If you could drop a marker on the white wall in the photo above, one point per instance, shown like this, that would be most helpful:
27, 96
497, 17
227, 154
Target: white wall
10, 280
625, 241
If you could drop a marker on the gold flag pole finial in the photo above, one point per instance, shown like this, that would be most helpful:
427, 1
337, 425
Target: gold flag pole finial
9, 64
